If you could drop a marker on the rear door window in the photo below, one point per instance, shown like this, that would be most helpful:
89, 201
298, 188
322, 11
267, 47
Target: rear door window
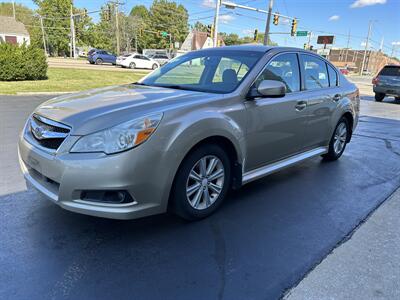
390, 71
315, 72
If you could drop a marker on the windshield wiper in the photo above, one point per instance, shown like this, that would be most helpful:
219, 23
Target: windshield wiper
177, 87
140, 83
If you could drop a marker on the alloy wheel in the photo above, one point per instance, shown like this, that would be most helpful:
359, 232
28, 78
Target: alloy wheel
340, 138
205, 182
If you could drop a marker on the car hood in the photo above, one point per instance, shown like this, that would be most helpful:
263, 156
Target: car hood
94, 110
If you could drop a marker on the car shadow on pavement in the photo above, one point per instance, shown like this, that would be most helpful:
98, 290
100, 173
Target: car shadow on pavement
391, 100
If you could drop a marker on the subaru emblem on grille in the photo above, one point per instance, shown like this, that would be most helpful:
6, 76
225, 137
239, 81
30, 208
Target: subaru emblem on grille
38, 132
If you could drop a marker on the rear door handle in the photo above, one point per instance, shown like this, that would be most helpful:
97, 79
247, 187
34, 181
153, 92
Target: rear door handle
337, 97
301, 105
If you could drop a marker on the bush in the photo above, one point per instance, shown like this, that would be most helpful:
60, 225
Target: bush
22, 63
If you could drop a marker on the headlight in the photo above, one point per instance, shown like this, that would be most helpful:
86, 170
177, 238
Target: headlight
119, 138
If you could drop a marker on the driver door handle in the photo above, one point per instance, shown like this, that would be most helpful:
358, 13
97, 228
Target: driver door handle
301, 105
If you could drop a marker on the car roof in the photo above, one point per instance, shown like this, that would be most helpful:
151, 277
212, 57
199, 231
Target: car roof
257, 48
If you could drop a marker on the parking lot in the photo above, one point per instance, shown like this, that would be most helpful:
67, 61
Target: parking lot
259, 244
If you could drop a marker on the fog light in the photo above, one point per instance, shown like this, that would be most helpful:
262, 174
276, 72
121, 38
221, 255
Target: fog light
114, 197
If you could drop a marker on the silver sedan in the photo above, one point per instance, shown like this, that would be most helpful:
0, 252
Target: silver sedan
181, 137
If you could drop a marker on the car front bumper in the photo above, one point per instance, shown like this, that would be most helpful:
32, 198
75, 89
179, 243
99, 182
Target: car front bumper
62, 177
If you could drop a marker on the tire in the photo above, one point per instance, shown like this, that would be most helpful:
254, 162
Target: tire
335, 151
91, 62
193, 205
154, 66
132, 65
397, 98
379, 97
99, 61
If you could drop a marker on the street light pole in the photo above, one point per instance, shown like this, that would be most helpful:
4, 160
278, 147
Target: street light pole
366, 47
13, 6
217, 7
266, 35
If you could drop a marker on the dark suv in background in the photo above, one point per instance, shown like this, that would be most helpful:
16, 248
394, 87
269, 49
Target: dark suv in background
387, 83
99, 57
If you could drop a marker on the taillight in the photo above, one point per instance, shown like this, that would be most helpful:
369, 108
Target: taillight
375, 80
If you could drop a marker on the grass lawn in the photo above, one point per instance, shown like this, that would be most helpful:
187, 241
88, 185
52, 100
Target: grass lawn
69, 80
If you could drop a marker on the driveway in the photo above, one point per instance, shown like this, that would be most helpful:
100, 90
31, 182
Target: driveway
260, 243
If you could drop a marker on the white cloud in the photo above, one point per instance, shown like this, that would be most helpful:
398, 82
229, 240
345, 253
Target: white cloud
226, 18
248, 31
396, 43
208, 3
284, 21
334, 18
362, 3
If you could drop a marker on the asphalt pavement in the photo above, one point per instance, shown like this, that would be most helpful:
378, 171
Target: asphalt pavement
262, 241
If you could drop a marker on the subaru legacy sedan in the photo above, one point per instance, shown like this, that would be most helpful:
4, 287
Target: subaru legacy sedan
179, 139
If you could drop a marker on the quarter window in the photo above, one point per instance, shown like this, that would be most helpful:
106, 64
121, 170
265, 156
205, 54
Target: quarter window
315, 72
284, 68
333, 80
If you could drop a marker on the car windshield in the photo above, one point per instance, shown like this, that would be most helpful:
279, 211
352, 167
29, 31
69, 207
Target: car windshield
205, 71
390, 71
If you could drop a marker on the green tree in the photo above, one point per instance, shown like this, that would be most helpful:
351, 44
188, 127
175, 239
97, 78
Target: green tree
56, 19
198, 26
169, 17
139, 20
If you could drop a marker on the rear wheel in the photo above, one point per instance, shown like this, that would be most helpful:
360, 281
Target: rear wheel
132, 65
201, 183
379, 97
338, 141
99, 61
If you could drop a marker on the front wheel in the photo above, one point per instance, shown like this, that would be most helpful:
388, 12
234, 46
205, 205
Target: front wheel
154, 66
132, 65
201, 183
338, 141
99, 61
379, 97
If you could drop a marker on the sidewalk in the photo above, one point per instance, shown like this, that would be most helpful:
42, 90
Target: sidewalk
367, 266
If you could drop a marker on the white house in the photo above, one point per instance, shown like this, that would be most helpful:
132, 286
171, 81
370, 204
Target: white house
13, 32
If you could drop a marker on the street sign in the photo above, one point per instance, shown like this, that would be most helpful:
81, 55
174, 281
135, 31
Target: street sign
301, 33
325, 39
164, 33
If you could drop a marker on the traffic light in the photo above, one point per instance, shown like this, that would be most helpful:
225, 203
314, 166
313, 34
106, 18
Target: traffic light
85, 12
255, 35
294, 27
276, 18
209, 30
305, 46
107, 12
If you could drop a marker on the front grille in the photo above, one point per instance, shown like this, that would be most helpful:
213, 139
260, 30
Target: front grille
47, 133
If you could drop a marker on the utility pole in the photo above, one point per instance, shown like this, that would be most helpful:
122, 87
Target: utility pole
72, 41
13, 6
366, 47
44, 39
266, 35
117, 25
347, 47
309, 40
381, 47
217, 7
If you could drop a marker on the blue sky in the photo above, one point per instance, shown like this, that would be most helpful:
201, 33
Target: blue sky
320, 16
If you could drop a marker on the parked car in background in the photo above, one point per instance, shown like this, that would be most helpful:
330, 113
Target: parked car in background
162, 59
181, 137
387, 83
99, 57
138, 61
121, 58
344, 71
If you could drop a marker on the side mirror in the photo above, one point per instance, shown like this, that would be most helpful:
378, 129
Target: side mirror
269, 88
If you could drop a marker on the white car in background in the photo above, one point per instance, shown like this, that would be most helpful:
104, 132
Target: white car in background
137, 61
161, 58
